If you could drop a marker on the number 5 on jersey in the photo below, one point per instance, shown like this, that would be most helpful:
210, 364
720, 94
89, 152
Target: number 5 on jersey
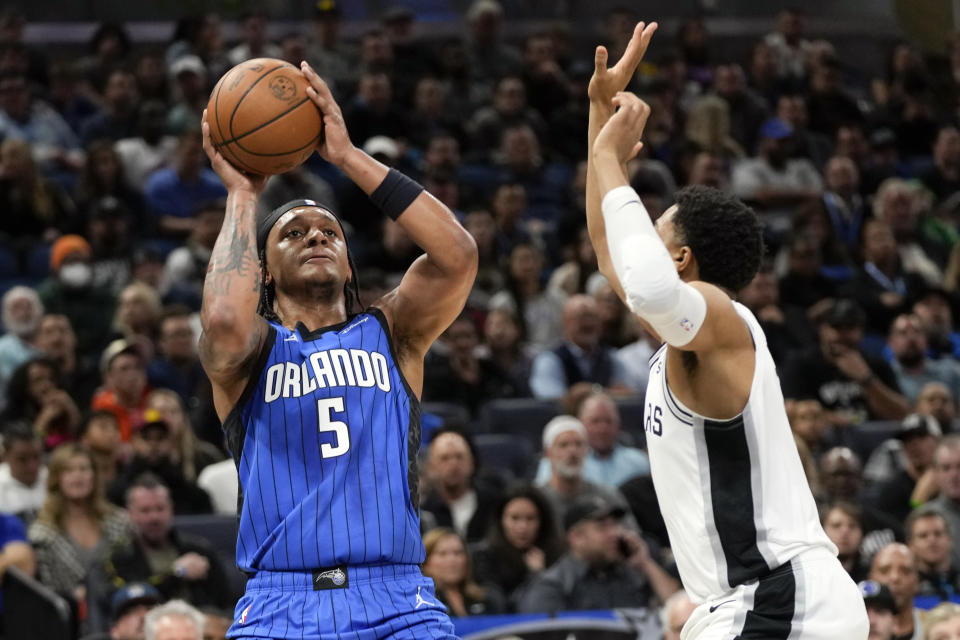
325, 406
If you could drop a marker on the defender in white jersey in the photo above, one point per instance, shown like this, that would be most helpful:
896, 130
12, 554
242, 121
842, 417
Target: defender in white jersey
742, 522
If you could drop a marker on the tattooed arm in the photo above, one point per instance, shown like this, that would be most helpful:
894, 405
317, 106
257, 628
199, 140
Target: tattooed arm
232, 331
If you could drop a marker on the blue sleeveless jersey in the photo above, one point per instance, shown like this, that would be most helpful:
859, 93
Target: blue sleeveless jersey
325, 436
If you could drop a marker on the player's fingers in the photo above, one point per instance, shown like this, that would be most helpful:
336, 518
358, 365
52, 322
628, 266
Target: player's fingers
636, 149
600, 61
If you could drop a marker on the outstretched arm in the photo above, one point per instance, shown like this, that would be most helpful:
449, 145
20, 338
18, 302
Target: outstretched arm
677, 311
232, 330
435, 288
604, 86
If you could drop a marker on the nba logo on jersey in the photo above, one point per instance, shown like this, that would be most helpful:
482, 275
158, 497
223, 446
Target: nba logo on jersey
243, 616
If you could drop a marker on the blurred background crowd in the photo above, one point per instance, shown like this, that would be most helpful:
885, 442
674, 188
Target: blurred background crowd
537, 491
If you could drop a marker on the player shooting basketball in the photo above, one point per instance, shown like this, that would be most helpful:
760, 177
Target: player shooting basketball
742, 522
319, 400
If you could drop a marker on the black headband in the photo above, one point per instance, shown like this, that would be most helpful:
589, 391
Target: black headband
266, 222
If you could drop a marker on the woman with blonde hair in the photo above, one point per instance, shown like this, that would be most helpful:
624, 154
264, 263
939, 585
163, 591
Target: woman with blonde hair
943, 622
190, 452
708, 125
448, 563
76, 526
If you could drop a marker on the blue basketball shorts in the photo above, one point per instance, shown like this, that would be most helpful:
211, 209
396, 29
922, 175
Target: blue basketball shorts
370, 602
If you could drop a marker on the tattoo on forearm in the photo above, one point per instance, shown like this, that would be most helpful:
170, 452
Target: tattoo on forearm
234, 257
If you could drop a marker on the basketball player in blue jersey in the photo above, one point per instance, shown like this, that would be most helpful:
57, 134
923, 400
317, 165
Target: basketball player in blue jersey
741, 519
319, 400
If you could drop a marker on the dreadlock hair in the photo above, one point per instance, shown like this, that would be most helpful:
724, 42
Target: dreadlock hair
351, 290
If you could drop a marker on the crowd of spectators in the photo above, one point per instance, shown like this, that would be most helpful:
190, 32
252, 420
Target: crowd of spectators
109, 212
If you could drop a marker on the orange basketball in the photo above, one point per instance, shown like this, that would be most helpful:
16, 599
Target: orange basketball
261, 118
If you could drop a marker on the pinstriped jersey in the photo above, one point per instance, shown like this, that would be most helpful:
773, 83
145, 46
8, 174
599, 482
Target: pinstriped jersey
325, 437
733, 493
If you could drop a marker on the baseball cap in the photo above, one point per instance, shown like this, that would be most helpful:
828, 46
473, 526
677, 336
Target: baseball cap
190, 63
558, 425
66, 245
382, 145
594, 507
917, 424
132, 595
877, 595
151, 420
776, 129
114, 349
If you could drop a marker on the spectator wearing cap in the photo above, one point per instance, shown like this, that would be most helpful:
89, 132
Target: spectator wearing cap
21, 314
70, 291
841, 476
882, 284
774, 181
900, 472
76, 526
565, 448
850, 383
929, 537
125, 389
895, 566
914, 369
256, 42
608, 462
674, 614
933, 305
581, 357
190, 77
155, 453
946, 471
881, 609
178, 564
23, 475
128, 609
456, 498
936, 400
608, 565
172, 195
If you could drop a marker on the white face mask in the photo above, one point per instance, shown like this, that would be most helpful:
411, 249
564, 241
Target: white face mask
76, 275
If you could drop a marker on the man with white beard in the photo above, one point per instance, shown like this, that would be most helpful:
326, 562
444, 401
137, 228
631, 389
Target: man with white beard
565, 446
21, 311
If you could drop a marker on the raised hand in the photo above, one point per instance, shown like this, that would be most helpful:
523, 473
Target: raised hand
335, 142
606, 83
621, 134
233, 179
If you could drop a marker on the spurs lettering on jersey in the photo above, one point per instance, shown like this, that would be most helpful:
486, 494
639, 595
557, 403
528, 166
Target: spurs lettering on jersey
323, 369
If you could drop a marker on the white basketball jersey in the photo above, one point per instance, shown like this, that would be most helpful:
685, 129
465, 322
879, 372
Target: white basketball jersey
733, 493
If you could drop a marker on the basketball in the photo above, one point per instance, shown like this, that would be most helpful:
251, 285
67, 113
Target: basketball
261, 118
